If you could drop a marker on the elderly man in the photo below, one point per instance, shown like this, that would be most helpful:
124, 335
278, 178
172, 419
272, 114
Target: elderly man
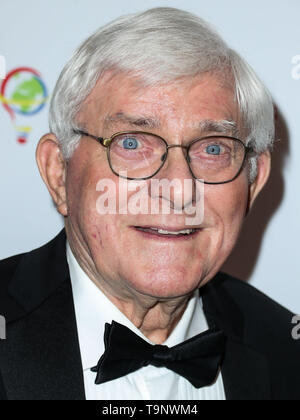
130, 304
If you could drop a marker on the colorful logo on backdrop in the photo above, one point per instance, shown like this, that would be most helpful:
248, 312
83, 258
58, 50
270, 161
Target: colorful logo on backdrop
23, 93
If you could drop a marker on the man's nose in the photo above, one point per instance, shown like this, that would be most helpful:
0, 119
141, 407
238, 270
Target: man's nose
178, 185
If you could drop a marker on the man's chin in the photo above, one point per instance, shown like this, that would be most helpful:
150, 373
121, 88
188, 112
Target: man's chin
166, 288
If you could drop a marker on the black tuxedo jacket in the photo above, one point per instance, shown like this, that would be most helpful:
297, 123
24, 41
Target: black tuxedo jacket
40, 358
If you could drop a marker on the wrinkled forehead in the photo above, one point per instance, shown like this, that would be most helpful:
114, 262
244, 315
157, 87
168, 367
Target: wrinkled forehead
125, 99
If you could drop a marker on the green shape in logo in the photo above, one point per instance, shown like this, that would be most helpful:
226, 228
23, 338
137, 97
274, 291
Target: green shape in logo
27, 94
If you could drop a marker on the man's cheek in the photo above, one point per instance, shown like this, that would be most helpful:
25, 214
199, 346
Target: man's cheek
235, 202
106, 231
97, 237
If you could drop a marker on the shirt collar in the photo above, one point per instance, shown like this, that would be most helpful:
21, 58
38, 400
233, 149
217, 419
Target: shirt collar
93, 310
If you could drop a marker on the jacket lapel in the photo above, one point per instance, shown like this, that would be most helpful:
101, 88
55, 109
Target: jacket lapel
245, 371
41, 353
245, 374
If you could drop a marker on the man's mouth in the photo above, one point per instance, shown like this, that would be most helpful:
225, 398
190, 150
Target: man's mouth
167, 233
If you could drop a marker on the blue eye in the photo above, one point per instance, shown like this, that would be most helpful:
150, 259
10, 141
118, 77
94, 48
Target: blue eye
213, 150
130, 144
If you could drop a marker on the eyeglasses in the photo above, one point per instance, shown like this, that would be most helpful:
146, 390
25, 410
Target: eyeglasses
215, 159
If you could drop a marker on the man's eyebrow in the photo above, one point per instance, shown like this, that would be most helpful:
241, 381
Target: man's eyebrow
223, 126
207, 126
132, 120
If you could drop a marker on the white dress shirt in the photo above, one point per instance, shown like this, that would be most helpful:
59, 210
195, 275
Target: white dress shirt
93, 310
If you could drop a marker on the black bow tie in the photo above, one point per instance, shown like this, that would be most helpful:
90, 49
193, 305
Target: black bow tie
198, 359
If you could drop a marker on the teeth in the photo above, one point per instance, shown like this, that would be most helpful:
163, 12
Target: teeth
181, 232
167, 232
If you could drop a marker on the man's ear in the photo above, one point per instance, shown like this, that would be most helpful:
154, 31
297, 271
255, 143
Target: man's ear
52, 167
263, 174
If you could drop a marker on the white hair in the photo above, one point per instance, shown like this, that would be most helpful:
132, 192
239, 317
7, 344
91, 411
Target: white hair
160, 46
